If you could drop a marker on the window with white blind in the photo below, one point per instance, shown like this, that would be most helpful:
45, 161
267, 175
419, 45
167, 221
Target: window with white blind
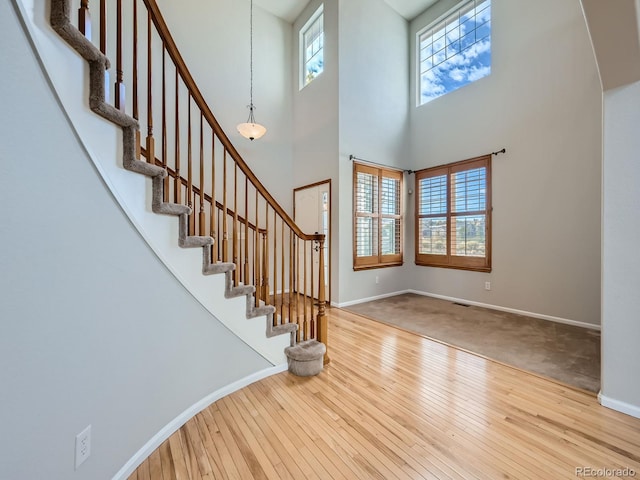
455, 50
312, 48
453, 215
377, 200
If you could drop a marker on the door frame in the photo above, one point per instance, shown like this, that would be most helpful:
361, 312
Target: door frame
329, 229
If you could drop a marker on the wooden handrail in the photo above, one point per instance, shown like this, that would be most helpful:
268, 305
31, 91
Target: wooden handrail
190, 83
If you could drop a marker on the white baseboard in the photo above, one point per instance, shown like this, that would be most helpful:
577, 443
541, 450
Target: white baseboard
618, 405
181, 419
369, 299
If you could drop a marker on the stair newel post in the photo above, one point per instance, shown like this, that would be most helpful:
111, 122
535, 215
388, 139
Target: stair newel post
322, 320
84, 19
150, 145
136, 114
119, 85
202, 217
236, 242
225, 233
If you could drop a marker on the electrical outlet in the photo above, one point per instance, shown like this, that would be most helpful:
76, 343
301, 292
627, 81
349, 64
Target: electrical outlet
377, 279
83, 446
487, 285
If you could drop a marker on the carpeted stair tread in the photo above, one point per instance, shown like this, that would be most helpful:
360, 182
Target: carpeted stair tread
283, 329
190, 241
60, 21
215, 268
240, 291
259, 311
170, 209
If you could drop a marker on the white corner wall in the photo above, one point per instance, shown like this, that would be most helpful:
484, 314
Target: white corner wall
620, 258
347, 110
542, 102
95, 329
374, 120
316, 120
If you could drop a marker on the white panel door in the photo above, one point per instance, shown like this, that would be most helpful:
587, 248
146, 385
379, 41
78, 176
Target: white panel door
311, 213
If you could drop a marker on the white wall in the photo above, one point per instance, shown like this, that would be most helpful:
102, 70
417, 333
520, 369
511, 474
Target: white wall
94, 330
620, 259
373, 102
316, 119
542, 102
213, 37
358, 105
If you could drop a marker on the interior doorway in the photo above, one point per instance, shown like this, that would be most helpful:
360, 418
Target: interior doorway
312, 213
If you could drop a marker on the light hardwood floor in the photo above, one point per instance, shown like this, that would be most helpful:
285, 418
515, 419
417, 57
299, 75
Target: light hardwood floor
395, 405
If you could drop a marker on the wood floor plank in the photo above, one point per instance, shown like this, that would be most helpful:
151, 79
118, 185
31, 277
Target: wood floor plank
189, 455
393, 405
175, 445
229, 450
155, 466
168, 469
208, 448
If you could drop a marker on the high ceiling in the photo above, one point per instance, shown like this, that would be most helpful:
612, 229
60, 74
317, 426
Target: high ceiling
290, 9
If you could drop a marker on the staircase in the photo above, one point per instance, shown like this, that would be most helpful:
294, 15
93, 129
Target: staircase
196, 173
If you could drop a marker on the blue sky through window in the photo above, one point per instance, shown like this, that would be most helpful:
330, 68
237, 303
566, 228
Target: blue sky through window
456, 51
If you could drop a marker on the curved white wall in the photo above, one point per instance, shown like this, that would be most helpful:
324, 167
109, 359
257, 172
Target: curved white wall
94, 329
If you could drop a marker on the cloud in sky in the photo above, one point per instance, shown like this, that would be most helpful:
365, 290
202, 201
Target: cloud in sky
459, 50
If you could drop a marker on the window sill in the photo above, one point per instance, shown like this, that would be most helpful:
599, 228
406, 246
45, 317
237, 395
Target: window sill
377, 265
455, 267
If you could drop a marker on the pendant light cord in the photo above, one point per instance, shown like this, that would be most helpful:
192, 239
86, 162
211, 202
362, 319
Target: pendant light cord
251, 119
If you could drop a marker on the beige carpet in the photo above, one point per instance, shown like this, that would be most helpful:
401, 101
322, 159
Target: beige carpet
562, 352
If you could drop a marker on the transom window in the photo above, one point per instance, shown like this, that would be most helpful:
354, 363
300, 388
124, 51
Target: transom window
455, 51
312, 47
453, 215
377, 238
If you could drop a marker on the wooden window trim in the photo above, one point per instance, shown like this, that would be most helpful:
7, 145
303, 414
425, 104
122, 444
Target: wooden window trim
379, 260
478, 264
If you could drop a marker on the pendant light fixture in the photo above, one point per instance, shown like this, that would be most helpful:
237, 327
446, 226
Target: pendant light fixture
251, 129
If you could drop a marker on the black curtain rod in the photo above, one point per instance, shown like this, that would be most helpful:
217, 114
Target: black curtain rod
353, 157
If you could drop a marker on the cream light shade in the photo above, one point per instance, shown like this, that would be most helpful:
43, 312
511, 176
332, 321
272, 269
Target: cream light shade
250, 129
